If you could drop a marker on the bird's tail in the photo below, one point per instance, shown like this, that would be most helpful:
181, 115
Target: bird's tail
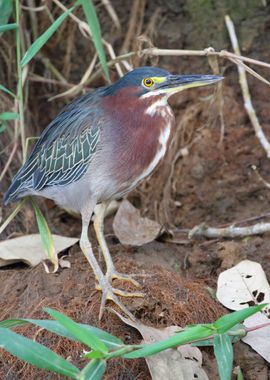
14, 192
20, 186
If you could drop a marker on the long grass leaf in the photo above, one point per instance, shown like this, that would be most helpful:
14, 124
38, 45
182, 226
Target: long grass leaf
111, 342
36, 354
45, 234
3, 88
41, 40
93, 370
183, 337
224, 355
9, 116
226, 322
5, 11
6, 27
80, 332
94, 26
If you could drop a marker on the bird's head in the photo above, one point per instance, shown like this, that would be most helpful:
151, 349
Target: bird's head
150, 82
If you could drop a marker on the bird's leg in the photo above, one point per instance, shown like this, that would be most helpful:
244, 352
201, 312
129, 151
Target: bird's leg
111, 271
108, 292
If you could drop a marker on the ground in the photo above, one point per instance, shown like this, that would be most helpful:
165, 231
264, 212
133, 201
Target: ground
210, 180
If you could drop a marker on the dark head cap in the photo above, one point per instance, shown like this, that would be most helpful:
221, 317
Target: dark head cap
148, 81
135, 79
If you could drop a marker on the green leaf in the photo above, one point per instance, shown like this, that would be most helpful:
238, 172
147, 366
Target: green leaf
9, 116
5, 11
235, 333
45, 234
2, 88
94, 26
94, 355
6, 27
226, 322
41, 40
93, 371
109, 340
80, 332
36, 354
224, 354
183, 337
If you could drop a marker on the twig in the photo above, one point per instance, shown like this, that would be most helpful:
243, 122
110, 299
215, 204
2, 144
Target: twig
131, 26
230, 231
12, 215
49, 66
251, 71
20, 82
205, 52
107, 4
245, 90
10, 158
38, 78
266, 184
85, 27
75, 89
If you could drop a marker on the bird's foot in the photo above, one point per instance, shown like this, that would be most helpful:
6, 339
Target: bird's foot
112, 274
110, 293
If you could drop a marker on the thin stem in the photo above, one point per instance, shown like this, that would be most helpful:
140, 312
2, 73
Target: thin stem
12, 215
20, 83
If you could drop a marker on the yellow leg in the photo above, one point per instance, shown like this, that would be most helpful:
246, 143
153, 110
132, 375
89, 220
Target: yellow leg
111, 271
108, 292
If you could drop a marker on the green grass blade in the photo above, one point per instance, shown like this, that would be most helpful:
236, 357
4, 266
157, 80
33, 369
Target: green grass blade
82, 334
94, 26
45, 234
41, 40
9, 116
6, 27
5, 11
226, 322
93, 371
109, 340
224, 355
36, 354
183, 337
4, 89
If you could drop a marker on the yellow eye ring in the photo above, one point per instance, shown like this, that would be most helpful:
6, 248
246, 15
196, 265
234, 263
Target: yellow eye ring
148, 82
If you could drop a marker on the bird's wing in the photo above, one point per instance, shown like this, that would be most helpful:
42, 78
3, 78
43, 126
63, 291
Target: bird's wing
64, 150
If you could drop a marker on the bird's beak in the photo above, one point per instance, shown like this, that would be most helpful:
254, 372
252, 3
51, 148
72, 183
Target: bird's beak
176, 83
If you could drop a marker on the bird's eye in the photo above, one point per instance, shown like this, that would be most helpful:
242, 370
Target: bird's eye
148, 82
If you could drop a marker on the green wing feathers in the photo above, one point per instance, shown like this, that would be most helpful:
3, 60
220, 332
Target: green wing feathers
63, 152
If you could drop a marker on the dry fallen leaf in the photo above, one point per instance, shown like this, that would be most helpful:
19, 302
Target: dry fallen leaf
183, 363
259, 339
132, 229
244, 285
29, 249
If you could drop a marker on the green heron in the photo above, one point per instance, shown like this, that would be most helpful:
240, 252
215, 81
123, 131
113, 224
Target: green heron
99, 148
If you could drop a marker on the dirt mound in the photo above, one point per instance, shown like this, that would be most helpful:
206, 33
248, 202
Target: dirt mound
169, 300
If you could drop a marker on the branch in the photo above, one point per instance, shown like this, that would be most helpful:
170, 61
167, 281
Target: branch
245, 90
230, 231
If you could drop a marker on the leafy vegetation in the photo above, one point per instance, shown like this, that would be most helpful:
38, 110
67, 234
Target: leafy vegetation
103, 346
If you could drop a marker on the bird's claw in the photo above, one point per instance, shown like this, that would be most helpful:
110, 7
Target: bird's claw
110, 293
112, 274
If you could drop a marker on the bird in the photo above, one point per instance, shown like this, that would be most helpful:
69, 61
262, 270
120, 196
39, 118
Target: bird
98, 149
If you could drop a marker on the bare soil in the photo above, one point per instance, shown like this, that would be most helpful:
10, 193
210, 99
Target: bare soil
212, 183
